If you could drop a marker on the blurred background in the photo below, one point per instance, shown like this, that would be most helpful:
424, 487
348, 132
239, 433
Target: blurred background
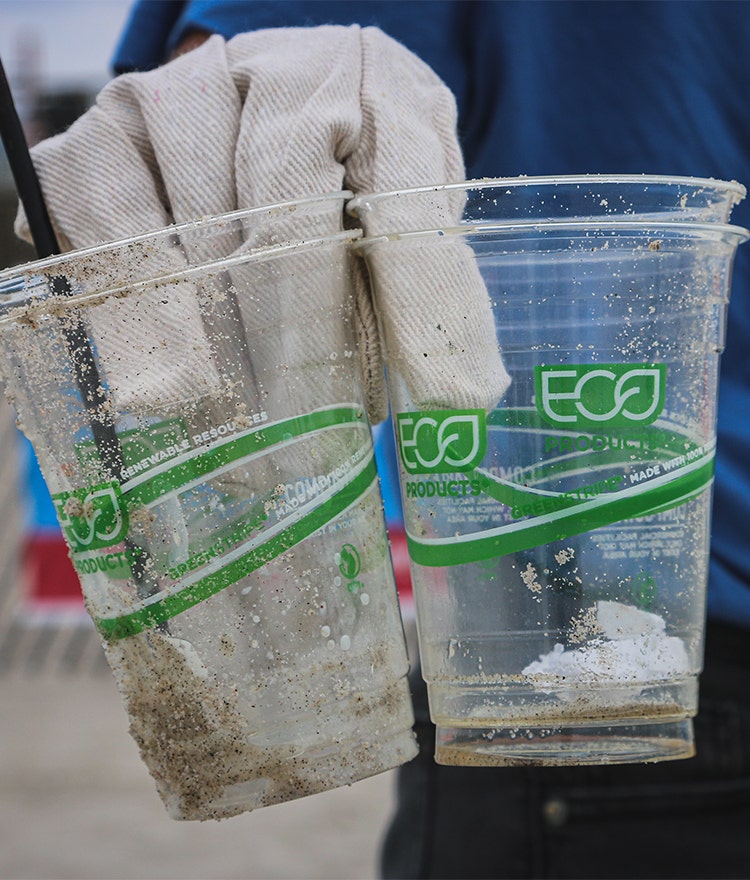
75, 799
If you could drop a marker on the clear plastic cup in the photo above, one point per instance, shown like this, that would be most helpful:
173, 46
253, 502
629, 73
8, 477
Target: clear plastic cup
194, 401
559, 541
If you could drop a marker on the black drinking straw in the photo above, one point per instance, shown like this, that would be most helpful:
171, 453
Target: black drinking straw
77, 341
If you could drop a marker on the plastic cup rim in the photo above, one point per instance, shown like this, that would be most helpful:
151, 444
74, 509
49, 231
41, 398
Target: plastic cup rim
732, 186
43, 266
686, 228
40, 306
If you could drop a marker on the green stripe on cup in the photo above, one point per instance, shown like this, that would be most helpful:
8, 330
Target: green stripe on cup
663, 442
153, 613
198, 464
677, 487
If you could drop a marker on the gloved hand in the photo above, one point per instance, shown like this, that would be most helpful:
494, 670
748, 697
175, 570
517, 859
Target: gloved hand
266, 117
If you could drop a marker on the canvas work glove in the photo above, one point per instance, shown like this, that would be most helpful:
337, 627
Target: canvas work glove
266, 117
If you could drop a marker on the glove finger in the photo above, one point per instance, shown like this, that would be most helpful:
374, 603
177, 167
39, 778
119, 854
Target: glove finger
431, 302
437, 322
300, 117
183, 121
370, 351
102, 181
301, 110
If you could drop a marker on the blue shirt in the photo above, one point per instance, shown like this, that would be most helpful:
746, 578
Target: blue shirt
563, 88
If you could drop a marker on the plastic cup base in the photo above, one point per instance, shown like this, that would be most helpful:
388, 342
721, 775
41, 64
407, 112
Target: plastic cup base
311, 772
644, 741
350, 739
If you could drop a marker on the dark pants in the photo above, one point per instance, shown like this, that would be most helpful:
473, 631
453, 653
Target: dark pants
678, 819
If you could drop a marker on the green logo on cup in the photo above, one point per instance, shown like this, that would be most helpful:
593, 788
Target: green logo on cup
92, 518
441, 441
349, 561
583, 396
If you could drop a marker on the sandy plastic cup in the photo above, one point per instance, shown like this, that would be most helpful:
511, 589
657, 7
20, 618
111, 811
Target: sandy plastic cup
559, 542
193, 398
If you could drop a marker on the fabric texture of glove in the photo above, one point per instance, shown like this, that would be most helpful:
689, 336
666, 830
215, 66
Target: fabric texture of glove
263, 118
